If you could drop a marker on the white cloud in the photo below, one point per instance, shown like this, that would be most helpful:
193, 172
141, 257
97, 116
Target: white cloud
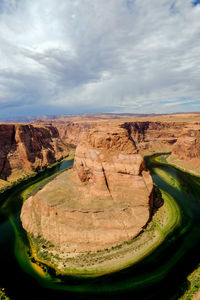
82, 55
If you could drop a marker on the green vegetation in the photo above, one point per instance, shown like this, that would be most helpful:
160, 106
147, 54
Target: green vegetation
179, 164
8, 186
194, 285
33, 189
164, 220
3, 295
183, 165
37, 186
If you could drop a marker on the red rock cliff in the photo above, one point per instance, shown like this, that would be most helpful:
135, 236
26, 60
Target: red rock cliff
187, 146
154, 136
27, 148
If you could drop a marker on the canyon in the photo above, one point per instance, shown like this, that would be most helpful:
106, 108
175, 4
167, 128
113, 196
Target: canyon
108, 190
105, 200
27, 148
103, 214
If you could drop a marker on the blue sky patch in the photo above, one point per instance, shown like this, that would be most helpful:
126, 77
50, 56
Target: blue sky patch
195, 3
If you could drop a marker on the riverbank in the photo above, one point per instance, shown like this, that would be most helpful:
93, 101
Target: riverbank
34, 188
6, 186
193, 292
4, 192
92, 264
26, 258
181, 165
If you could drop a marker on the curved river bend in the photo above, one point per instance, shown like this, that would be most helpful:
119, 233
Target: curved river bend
161, 275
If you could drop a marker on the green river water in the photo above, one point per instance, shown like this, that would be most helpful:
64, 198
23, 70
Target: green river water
161, 275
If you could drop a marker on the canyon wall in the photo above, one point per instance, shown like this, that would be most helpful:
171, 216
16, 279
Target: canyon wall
71, 132
182, 139
186, 151
25, 149
154, 136
187, 146
148, 136
105, 200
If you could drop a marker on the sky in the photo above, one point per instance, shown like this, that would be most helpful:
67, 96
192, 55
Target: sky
92, 56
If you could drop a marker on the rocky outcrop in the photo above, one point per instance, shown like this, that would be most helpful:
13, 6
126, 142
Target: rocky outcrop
25, 149
7, 145
71, 132
154, 136
187, 146
104, 201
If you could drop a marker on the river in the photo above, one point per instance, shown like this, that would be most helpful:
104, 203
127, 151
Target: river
161, 275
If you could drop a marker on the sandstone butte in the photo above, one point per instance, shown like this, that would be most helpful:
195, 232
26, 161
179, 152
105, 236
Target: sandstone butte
103, 201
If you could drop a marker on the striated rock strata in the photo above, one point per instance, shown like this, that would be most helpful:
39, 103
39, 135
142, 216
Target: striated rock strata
187, 147
154, 136
104, 201
25, 149
149, 136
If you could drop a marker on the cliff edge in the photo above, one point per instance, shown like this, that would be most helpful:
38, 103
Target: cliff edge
104, 201
26, 148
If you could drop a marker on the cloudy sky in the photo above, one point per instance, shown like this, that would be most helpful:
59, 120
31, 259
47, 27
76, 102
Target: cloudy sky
78, 56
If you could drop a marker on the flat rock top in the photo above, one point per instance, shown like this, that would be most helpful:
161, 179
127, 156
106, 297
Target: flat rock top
66, 192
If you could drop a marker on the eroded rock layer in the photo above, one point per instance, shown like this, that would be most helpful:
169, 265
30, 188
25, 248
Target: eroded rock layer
104, 201
154, 136
187, 147
27, 148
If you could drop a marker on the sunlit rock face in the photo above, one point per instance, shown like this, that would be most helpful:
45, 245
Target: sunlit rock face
102, 202
187, 147
26, 148
154, 136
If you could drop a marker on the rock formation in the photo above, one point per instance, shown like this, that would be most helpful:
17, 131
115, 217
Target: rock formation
149, 136
187, 147
154, 136
104, 201
25, 149
71, 132
150, 133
